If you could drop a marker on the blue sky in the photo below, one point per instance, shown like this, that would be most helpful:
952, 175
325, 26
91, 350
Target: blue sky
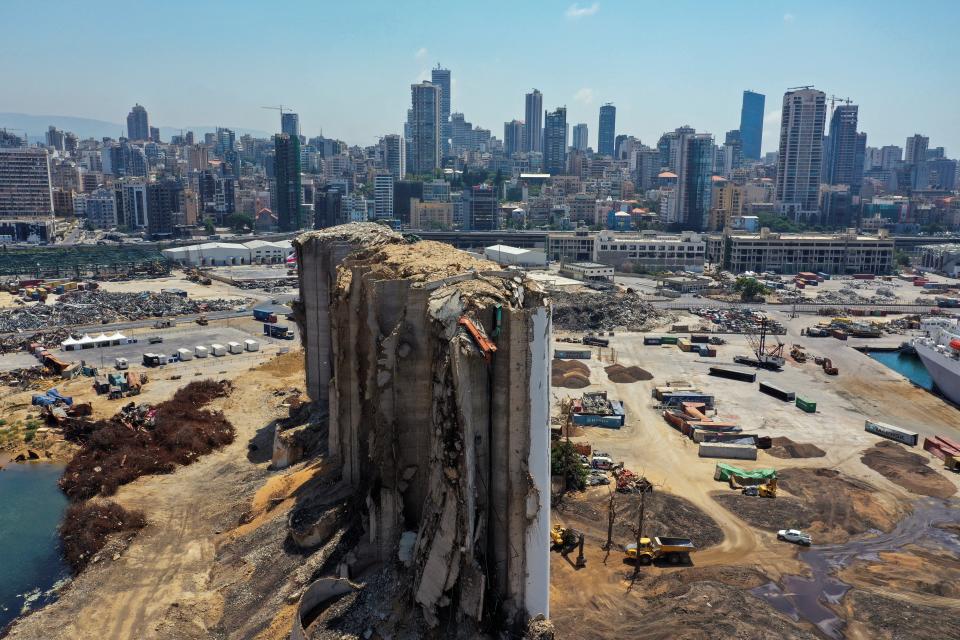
346, 67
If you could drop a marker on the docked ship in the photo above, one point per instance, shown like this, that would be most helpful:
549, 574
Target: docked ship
939, 350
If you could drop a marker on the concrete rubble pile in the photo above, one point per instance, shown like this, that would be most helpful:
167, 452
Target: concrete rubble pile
22, 341
603, 310
26, 377
92, 307
434, 368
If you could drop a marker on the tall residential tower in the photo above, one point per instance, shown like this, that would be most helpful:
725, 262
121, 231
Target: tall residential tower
751, 124
533, 121
801, 152
607, 132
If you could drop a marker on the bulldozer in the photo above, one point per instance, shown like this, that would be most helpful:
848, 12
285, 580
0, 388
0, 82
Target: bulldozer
768, 490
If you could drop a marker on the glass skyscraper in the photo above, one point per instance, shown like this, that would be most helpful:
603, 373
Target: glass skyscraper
606, 135
751, 124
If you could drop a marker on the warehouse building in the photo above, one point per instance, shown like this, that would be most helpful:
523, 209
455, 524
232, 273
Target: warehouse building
789, 253
505, 256
942, 258
649, 251
215, 254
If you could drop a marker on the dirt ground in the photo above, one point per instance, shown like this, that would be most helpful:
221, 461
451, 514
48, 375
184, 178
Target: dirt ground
665, 514
827, 504
913, 569
619, 374
907, 469
160, 586
872, 616
784, 447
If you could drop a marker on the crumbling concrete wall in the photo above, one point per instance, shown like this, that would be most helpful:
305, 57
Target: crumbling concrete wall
440, 438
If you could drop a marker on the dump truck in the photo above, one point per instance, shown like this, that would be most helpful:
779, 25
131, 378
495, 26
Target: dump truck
672, 550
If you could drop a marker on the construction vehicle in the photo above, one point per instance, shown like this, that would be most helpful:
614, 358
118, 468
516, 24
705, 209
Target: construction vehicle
672, 550
768, 490
483, 343
163, 324
202, 320
828, 367
766, 357
797, 353
563, 539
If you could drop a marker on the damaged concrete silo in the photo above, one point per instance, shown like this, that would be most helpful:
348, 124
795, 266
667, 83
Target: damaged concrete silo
434, 368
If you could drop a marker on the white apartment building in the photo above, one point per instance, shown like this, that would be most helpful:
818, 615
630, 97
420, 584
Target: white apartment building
650, 251
383, 196
785, 253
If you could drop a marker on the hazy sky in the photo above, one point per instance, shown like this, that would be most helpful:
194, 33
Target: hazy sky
346, 67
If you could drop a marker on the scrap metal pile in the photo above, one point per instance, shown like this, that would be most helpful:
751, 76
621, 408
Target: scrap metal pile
271, 285
849, 294
738, 320
602, 310
27, 377
92, 307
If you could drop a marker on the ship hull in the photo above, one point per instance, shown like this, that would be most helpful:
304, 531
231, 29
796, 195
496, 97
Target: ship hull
945, 372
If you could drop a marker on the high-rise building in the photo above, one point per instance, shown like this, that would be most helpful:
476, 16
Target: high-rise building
101, 212
155, 134
859, 159
55, 138
425, 131
694, 181
216, 194
751, 124
287, 186
841, 151
607, 132
328, 207
441, 78
482, 208
512, 137
394, 151
25, 190
890, 157
138, 124
732, 152
533, 121
290, 124
669, 147
581, 137
801, 153
163, 203
916, 148
555, 141
131, 198
383, 196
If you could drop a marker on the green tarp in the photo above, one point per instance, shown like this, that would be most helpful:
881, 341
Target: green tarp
724, 471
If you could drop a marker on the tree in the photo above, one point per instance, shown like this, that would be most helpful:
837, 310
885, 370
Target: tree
208, 226
239, 222
902, 258
749, 288
565, 461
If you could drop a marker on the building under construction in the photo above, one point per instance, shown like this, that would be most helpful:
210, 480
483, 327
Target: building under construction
434, 369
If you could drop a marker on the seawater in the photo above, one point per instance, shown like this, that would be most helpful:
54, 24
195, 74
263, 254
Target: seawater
906, 364
31, 561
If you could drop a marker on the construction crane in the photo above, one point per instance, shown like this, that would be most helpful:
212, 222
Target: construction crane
834, 99
280, 108
767, 356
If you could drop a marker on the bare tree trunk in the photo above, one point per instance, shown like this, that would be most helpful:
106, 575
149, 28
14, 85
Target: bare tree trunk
636, 560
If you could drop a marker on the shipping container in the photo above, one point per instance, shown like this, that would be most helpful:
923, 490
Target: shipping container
234, 347
891, 432
684, 345
839, 334
596, 420
733, 374
727, 450
800, 285
677, 399
262, 315
200, 351
595, 341
863, 276
699, 339
806, 405
185, 354
571, 354
777, 392
218, 349
707, 352
251, 345
669, 340
823, 275
681, 328
648, 340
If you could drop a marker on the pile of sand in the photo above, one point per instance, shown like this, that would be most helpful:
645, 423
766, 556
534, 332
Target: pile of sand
787, 448
570, 374
625, 375
907, 469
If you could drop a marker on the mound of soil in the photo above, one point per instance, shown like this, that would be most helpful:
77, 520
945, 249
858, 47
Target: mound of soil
87, 525
787, 448
912, 569
570, 374
625, 375
829, 505
907, 469
871, 615
665, 515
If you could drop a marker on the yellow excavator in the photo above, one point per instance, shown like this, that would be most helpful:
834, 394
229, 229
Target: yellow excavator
768, 490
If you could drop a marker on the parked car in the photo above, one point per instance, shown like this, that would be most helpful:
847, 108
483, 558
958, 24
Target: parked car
155, 339
795, 536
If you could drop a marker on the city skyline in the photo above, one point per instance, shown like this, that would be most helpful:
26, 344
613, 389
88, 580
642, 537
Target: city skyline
366, 109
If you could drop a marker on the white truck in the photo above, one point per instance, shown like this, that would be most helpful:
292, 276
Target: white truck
121, 364
795, 536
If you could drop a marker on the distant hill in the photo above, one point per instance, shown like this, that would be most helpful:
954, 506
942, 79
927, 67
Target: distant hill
36, 127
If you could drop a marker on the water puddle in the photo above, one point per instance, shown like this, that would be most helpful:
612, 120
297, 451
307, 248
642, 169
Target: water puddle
806, 599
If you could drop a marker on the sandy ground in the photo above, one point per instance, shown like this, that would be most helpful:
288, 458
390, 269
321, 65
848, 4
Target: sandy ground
864, 389
163, 576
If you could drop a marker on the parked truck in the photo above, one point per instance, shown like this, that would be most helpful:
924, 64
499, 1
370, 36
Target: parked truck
277, 331
672, 550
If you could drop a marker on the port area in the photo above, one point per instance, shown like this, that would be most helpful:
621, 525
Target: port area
745, 581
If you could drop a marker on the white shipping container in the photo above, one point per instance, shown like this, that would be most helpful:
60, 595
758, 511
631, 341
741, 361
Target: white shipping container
185, 354
234, 347
201, 351
218, 349
251, 345
893, 433
726, 450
